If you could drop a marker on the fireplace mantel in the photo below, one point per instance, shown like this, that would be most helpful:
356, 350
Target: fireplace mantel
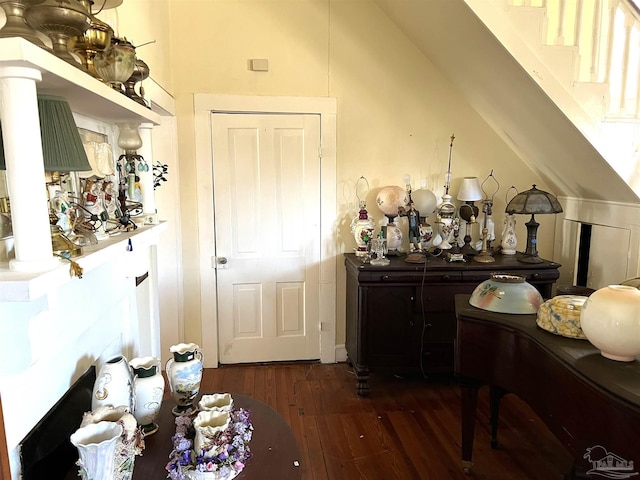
53, 326
27, 70
25, 286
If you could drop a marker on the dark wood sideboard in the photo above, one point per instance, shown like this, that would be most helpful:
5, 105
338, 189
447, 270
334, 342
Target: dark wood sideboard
401, 317
590, 403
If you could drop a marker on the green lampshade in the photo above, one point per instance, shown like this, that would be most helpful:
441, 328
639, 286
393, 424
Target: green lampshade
62, 148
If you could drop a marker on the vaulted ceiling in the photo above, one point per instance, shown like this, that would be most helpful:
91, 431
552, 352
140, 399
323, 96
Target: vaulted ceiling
453, 38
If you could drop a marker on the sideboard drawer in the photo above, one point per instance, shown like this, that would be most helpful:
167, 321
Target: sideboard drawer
412, 278
550, 275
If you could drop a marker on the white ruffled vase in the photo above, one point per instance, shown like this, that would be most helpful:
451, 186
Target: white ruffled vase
96, 444
207, 424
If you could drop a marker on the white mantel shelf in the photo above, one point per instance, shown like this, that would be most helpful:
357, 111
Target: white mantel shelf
86, 95
25, 287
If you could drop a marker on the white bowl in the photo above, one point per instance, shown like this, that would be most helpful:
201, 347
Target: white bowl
506, 293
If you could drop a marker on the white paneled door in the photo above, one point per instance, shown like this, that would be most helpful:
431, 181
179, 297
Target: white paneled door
266, 170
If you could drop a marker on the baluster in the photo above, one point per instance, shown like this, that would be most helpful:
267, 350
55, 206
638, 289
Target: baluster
628, 23
613, 5
596, 35
637, 107
578, 24
562, 11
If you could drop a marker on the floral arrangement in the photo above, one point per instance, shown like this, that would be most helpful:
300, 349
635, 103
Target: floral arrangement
226, 454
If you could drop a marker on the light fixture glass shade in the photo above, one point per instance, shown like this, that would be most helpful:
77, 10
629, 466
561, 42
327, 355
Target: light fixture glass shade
62, 148
129, 138
470, 190
425, 201
534, 201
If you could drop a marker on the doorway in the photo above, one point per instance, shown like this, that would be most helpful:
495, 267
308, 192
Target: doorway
266, 196
207, 106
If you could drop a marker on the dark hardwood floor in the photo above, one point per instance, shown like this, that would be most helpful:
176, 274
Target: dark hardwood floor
408, 428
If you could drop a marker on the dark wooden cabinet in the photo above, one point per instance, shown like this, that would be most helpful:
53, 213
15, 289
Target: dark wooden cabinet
401, 317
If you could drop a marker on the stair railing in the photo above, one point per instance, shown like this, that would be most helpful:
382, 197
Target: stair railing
606, 34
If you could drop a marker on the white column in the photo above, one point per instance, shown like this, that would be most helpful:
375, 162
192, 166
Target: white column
25, 170
146, 178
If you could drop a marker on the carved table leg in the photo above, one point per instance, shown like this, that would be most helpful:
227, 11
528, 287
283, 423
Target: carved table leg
495, 394
469, 394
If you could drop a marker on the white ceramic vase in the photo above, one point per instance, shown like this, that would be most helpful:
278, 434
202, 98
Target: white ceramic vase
207, 424
148, 388
610, 319
222, 402
113, 385
362, 228
129, 444
96, 444
509, 240
184, 373
506, 293
426, 235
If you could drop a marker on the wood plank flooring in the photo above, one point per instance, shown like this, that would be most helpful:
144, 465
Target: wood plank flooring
408, 428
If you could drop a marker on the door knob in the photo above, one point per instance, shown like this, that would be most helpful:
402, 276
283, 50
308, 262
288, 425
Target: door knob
221, 262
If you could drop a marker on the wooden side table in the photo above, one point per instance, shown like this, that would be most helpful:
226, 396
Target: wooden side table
273, 445
275, 450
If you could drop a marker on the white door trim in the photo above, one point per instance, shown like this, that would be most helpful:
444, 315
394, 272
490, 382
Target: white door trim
204, 104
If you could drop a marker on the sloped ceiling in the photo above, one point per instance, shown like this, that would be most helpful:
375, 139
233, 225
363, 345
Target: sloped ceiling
458, 44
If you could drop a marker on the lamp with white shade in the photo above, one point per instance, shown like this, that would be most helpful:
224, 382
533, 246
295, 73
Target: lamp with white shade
469, 193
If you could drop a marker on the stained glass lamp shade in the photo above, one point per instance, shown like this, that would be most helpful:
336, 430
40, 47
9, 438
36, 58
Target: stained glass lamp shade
533, 202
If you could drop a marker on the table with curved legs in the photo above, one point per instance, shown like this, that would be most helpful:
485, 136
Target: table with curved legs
590, 403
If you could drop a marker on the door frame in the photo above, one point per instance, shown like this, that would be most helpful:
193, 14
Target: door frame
204, 105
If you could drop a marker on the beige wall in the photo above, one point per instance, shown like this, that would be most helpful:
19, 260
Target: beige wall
395, 111
142, 21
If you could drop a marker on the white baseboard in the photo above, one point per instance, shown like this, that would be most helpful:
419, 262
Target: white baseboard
341, 353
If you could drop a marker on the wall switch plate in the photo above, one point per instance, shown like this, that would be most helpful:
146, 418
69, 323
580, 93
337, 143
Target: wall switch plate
259, 64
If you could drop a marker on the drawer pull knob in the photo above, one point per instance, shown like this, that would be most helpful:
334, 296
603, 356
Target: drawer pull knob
428, 326
446, 277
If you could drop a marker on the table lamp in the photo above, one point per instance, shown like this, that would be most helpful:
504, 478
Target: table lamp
533, 201
62, 149
469, 192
